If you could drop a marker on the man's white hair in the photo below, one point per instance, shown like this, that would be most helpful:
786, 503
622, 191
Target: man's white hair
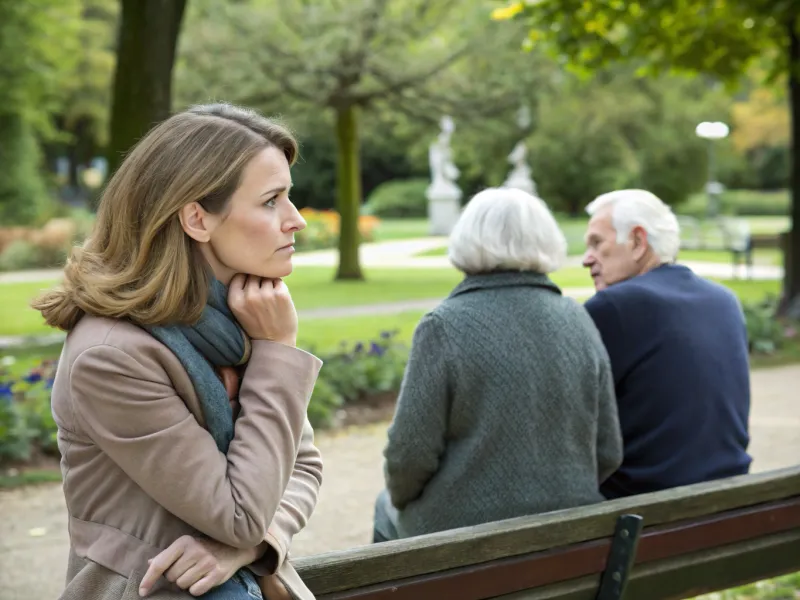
640, 208
506, 229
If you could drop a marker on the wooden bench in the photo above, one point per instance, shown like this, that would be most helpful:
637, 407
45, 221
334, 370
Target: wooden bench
672, 544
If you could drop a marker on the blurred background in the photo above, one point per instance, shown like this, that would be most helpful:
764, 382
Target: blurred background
694, 100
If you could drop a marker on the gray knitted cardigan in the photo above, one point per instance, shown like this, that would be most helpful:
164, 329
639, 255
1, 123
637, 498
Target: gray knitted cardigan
506, 409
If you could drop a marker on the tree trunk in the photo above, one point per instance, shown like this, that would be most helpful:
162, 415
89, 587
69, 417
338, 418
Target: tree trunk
348, 187
791, 289
142, 92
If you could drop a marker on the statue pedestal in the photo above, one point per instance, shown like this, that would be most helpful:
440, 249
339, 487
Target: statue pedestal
444, 207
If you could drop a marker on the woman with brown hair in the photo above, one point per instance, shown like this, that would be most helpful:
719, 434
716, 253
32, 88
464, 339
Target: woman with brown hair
180, 396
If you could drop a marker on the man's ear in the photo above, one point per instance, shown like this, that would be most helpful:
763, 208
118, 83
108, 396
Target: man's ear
640, 242
195, 222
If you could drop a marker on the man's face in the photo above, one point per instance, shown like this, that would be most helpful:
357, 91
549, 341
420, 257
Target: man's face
608, 261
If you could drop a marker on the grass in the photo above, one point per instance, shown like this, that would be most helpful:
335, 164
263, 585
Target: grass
18, 317
312, 288
29, 477
761, 256
399, 229
327, 334
779, 588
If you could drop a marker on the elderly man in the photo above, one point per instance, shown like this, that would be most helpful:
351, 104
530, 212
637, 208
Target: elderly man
678, 349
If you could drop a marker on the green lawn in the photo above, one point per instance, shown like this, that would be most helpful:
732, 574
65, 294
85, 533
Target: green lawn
399, 229
311, 287
326, 334
761, 256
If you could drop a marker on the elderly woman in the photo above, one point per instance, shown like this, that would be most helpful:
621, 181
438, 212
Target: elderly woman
507, 405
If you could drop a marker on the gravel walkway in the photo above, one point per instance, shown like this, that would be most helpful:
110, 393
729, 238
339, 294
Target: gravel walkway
33, 535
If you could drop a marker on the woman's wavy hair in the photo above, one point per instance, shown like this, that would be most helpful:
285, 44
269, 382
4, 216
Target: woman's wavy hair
138, 263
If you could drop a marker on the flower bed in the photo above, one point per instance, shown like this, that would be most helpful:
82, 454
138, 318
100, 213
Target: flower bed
322, 229
358, 383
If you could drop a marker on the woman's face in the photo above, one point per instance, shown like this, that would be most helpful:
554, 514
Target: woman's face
255, 235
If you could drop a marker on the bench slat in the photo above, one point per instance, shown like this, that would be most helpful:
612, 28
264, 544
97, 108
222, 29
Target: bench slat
539, 569
390, 561
689, 575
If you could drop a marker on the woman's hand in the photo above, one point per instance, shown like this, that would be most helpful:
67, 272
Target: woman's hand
196, 564
264, 308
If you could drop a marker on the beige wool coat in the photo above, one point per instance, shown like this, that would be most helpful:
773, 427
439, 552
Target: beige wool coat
140, 470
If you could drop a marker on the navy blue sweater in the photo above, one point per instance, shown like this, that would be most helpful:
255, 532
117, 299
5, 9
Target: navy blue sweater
678, 349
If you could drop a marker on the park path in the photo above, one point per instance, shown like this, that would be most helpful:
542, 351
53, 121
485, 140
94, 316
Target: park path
33, 532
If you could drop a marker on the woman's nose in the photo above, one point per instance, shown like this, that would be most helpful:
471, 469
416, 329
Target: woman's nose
295, 221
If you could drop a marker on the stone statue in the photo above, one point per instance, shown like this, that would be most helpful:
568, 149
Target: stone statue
520, 176
444, 195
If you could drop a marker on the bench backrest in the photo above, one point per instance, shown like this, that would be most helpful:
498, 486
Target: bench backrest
695, 539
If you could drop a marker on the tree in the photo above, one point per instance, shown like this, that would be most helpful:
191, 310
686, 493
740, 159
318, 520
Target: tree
142, 89
82, 119
722, 38
37, 47
347, 57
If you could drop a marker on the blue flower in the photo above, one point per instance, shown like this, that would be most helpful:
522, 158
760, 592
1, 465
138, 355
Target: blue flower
32, 377
376, 350
5, 390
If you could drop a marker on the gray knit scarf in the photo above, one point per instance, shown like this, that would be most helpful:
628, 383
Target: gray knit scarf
216, 340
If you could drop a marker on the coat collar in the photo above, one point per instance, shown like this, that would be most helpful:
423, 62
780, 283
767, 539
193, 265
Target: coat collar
498, 279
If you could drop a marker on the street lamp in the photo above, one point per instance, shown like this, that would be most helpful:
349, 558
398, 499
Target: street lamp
712, 131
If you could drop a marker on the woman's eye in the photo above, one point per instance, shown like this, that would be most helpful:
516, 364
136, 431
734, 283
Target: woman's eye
271, 202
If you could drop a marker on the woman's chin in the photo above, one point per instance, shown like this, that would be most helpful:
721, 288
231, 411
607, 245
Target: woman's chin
279, 272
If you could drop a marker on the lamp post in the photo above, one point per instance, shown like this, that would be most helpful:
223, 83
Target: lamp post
712, 131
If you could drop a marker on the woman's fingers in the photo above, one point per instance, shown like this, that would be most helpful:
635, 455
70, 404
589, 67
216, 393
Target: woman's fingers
196, 573
161, 563
202, 586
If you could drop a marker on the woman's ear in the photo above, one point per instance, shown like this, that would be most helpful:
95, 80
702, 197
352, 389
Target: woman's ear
195, 222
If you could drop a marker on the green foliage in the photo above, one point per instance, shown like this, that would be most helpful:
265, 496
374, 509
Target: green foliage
21, 255
765, 332
325, 401
27, 427
23, 193
740, 202
633, 132
38, 48
723, 38
401, 199
357, 371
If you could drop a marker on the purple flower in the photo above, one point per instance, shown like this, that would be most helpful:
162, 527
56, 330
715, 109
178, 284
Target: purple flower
33, 377
5, 390
375, 350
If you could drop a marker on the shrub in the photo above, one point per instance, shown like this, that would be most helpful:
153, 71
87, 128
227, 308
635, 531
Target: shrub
22, 254
399, 199
741, 202
23, 193
325, 401
322, 229
765, 332
349, 374
27, 427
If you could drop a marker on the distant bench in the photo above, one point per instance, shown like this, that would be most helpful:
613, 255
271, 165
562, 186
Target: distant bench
728, 234
673, 544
